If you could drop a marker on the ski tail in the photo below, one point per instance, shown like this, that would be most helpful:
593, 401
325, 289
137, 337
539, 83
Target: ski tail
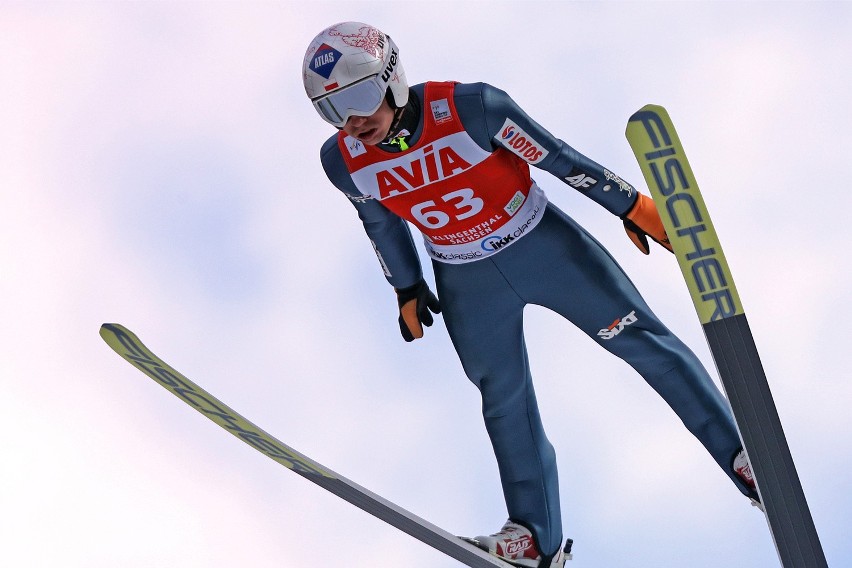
128, 346
696, 245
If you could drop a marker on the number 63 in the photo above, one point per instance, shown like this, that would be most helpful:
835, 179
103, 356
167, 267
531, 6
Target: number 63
430, 215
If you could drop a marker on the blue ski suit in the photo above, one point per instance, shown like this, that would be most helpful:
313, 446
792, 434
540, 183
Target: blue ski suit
486, 274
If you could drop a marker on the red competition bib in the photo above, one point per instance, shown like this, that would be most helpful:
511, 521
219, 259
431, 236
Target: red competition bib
468, 203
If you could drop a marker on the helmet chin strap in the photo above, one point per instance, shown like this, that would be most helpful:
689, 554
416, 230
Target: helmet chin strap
395, 126
409, 113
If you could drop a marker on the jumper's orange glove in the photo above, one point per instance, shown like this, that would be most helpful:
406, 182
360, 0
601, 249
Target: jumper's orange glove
414, 305
643, 221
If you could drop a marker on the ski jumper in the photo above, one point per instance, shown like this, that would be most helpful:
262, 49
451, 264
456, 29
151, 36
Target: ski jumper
497, 245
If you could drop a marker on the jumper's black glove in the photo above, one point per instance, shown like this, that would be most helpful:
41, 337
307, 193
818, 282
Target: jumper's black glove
414, 305
643, 221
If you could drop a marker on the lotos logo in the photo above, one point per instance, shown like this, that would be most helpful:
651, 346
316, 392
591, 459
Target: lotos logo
324, 60
618, 326
519, 142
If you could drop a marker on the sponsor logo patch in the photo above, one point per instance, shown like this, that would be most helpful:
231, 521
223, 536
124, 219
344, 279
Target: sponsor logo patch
519, 142
358, 198
324, 60
516, 547
515, 204
581, 181
354, 146
441, 111
618, 326
432, 163
622, 185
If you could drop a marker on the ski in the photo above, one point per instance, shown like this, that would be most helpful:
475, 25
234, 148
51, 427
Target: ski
696, 245
126, 344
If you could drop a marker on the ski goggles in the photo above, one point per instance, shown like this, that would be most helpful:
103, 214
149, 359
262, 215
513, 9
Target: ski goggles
358, 99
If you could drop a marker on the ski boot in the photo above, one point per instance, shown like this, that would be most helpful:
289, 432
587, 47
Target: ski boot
515, 544
742, 468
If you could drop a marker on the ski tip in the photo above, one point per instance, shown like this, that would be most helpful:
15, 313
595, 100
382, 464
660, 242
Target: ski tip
108, 327
110, 331
645, 110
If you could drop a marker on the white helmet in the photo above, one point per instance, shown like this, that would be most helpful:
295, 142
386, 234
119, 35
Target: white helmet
347, 70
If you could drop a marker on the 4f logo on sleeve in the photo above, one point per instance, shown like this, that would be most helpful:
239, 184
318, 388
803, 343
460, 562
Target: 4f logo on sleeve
618, 326
519, 142
581, 181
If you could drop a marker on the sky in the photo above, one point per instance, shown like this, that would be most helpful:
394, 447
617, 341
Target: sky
159, 169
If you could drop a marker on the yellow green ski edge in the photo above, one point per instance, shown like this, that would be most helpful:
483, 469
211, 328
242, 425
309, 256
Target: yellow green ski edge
125, 343
678, 199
